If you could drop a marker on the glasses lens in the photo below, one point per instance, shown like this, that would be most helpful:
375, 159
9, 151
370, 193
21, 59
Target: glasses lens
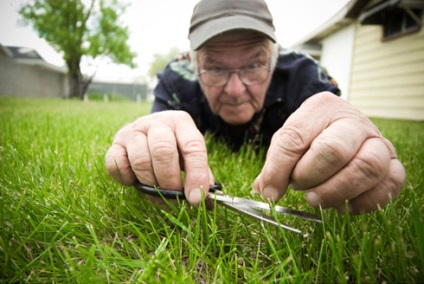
255, 75
214, 77
219, 77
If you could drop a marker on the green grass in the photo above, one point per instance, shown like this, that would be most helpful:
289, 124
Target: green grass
63, 219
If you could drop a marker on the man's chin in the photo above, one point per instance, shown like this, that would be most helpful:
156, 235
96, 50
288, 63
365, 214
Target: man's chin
236, 119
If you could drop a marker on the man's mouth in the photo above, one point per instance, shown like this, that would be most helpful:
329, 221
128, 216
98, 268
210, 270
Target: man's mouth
234, 103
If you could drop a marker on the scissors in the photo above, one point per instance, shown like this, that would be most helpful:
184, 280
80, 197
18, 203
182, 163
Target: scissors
245, 206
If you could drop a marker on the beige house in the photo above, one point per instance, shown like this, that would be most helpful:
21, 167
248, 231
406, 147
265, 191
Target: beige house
375, 50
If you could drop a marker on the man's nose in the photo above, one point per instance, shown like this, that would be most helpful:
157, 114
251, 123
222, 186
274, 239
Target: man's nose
235, 87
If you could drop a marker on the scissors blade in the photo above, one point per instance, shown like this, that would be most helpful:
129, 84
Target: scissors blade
259, 216
243, 202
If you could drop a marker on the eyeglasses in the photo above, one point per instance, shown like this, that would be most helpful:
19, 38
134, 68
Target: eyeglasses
250, 75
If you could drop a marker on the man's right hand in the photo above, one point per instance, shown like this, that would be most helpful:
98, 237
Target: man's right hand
154, 150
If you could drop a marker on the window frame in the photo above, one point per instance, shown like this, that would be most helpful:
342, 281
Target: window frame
398, 18
404, 30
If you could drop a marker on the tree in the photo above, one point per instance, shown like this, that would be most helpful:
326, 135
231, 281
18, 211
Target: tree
160, 60
79, 28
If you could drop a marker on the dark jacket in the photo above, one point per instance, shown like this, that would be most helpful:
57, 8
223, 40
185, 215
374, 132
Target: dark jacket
295, 78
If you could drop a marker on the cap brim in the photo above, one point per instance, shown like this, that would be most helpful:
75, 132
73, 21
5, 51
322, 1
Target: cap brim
217, 26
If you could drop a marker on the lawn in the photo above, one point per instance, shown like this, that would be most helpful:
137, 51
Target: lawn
64, 220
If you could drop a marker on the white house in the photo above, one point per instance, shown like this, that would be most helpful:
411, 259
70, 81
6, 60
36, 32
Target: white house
375, 50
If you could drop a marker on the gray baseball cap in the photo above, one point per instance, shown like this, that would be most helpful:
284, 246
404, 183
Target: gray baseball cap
213, 17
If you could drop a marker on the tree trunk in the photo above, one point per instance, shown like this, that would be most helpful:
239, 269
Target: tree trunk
86, 83
75, 87
75, 77
79, 85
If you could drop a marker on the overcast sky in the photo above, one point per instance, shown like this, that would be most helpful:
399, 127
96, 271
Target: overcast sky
158, 25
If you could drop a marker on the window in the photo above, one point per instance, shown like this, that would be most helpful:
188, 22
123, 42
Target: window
397, 22
397, 17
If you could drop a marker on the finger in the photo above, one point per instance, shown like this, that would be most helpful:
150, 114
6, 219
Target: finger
192, 147
211, 176
386, 191
292, 140
165, 158
139, 158
328, 153
287, 146
209, 202
365, 171
118, 166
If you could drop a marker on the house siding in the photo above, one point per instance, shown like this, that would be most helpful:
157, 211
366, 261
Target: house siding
387, 78
30, 80
336, 56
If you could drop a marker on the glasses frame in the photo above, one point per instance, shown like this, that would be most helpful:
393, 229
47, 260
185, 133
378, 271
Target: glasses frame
239, 72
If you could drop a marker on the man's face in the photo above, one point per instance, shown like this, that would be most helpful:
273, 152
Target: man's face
235, 102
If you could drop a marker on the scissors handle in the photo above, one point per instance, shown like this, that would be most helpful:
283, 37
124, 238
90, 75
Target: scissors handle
167, 193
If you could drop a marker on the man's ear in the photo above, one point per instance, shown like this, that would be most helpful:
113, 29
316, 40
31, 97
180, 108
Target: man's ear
188, 56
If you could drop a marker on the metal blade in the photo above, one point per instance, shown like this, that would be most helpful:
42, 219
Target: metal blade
259, 216
243, 202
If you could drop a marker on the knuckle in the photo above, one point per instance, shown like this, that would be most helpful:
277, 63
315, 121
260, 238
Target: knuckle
391, 148
193, 146
142, 167
370, 166
326, 99
123, 133
373, 160
164, 151
141, 164
170, 116
334, 151
182, 114
289, 141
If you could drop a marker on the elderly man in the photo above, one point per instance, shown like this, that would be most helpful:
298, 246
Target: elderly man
237, 84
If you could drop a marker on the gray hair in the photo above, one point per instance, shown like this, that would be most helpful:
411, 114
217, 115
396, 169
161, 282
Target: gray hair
275, 48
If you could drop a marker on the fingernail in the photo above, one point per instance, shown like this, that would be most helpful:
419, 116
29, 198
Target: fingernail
313, 199
195, 196
270, 193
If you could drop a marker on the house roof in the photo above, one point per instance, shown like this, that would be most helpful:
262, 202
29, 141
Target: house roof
343, 18
30, 56
22, 53
374, 15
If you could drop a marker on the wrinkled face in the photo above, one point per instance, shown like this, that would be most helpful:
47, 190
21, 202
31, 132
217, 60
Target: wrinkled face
235, 102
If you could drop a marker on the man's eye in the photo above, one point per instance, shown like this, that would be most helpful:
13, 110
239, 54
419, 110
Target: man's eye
252, 66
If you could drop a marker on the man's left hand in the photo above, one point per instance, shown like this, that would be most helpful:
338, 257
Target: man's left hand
334, 152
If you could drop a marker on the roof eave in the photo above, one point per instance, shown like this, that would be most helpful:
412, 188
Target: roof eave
341, 19
43, 64
6, 51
